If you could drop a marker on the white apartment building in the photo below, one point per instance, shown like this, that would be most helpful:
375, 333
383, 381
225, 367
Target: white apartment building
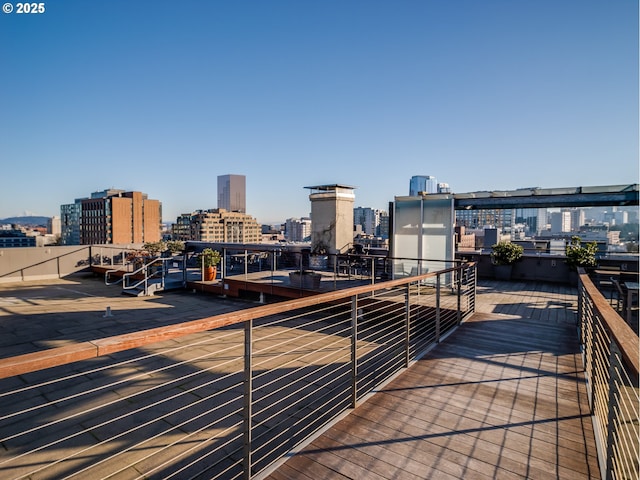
298, 229
217, 225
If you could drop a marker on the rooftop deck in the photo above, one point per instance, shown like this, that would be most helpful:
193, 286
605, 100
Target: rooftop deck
502, 397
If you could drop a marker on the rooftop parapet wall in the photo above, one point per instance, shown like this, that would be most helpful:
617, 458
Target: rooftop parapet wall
43, 263
544, 268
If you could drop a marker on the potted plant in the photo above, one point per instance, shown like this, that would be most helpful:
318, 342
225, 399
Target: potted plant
175, 246
209, 260
580, 255
155, 248
138, 258
503, 256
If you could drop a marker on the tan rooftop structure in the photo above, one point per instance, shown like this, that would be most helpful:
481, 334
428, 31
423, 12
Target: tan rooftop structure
331, 217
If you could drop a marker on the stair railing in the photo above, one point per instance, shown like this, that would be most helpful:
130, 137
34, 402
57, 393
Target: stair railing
144, 269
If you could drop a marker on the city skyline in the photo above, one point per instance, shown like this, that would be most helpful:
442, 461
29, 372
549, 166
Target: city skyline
164, 98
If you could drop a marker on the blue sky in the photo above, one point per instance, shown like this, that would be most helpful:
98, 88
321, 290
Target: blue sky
164, 96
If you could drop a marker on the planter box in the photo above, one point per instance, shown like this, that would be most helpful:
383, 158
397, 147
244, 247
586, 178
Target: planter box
503, 272
306, 280
210, 274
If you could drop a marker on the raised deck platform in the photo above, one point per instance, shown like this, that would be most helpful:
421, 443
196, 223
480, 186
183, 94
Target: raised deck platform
503, 397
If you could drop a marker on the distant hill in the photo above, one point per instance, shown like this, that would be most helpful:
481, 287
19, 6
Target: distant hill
26, 220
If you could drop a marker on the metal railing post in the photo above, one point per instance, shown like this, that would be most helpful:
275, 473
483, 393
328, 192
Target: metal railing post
458, 273
354, 351
592, 348
223, 263
373, 271
612, 407
474, 286
184, 268
407, 327
438, 308
246, 264
587, 324
580, 299
248, 399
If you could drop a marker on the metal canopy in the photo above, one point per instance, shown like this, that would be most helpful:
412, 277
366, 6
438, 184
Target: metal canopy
615, 195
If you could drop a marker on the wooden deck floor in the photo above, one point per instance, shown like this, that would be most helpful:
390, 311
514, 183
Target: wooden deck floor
503, 397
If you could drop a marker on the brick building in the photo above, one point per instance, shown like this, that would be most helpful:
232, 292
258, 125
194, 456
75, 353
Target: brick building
111, 216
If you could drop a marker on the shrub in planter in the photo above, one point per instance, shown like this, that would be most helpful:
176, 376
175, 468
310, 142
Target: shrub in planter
506, 253
209, 260
503, 256
581, 255
155, 248
175, 246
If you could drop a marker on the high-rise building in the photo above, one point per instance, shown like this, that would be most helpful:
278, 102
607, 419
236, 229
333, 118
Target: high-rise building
383, 227
422, 183
368, 218
217, 225
111, 216
54, 226
616, 216
533, 219
444, 188
298, 229
577, 219
232, 193
500, 219
70, 223
561, 222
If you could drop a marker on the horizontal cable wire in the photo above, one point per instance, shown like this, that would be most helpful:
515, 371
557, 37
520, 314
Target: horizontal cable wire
329, 396
128, 397
283, 399
100, 369
186, 436
304, 312
138, 427
297, 338
287, 408
237, 438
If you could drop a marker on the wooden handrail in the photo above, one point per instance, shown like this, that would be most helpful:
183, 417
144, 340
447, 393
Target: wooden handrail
54, 357
620, 331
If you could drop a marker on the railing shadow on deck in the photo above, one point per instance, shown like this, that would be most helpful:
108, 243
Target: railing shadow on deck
221, 397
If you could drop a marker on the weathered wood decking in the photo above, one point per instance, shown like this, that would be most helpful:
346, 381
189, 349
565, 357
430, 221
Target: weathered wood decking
503, 397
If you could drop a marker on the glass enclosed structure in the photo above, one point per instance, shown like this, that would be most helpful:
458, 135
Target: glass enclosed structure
423, 234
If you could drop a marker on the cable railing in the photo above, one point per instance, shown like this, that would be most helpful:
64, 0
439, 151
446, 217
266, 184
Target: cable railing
221, 397
611, 360
241, 263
